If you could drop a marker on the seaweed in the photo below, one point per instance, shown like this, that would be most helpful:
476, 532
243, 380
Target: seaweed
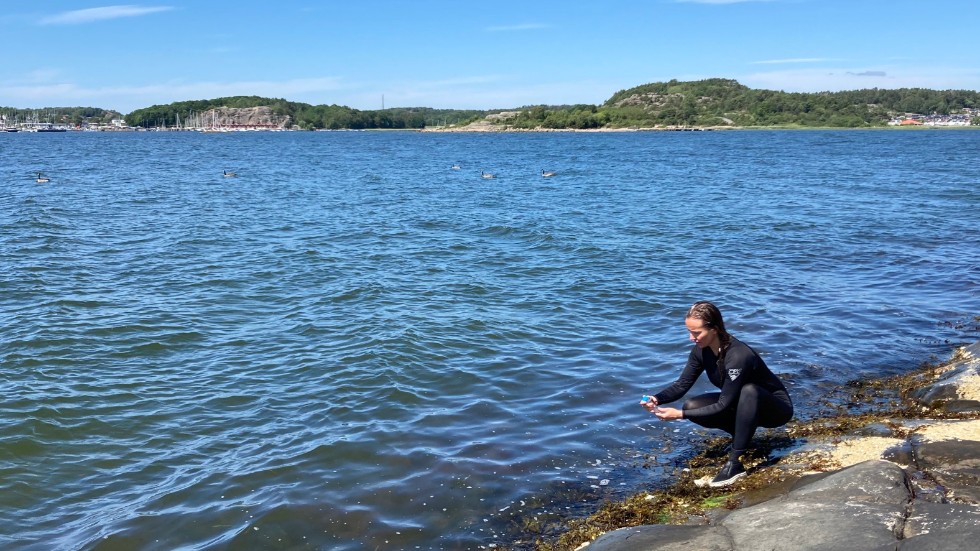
885, 402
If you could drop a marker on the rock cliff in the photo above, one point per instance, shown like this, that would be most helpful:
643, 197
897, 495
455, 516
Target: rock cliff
243, 117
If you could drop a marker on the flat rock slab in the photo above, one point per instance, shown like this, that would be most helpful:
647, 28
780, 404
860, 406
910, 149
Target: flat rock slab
861, 507
955, 464
957, 389
665, 538
943, 518
953, 541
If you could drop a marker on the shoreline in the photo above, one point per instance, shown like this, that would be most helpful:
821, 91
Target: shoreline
504, 129
487, 128
881, 420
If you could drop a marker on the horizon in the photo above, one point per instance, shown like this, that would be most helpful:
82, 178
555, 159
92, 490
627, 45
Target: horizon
439, 55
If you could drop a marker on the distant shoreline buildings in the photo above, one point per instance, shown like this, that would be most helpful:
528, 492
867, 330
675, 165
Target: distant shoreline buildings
256, 119
960, 119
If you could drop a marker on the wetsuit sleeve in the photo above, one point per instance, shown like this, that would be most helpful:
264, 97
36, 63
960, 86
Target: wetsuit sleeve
684, 383
739, 366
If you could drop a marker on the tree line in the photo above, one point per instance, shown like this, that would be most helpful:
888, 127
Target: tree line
74, 116
703, 103
726, 102
304, 115
723, 102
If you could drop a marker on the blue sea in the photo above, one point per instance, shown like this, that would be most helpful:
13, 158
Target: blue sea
352, 346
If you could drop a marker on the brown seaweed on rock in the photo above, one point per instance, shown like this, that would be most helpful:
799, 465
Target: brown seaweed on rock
885, 407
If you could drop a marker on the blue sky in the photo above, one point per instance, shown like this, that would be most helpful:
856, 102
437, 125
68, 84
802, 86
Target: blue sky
470, 54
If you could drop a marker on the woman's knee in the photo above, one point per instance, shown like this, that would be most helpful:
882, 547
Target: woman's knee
701, 401
750, 391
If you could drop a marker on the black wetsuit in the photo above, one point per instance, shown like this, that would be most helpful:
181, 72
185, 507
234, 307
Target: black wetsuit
751, 396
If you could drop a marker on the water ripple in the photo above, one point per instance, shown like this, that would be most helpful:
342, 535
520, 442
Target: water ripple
378, 352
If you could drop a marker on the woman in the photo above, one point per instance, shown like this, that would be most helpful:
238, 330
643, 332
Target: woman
751, 396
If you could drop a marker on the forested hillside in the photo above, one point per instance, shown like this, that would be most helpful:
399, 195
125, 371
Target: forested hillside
723, 102
302, 115
74, 116
704, 103
717, 101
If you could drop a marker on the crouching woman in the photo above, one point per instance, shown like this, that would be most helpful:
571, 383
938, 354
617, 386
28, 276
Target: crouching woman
751, 395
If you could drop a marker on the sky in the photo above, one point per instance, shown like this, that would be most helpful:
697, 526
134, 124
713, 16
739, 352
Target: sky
470, 54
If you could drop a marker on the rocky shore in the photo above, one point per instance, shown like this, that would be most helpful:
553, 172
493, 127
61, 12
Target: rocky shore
888, 482
489, 126
500, 122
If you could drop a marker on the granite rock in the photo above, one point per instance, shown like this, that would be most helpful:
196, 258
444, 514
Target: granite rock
925, 497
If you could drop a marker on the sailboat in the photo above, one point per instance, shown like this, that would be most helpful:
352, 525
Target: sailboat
214, 123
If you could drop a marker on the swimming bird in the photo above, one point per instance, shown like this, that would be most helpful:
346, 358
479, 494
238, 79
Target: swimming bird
456, 166
487, 175
230, 174
548, 174
42, 179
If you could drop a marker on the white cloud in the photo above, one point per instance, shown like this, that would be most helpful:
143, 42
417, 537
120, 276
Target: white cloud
90, 15
792, 60
129, 98
833, 79
519, 27
490, 92
869, 74
41, 75
718, 2
460, 81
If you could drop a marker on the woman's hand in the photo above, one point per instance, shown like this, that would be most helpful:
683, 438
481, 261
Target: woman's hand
668, 414
649, 403
664, 414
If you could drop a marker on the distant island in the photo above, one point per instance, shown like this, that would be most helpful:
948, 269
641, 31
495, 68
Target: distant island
703, 104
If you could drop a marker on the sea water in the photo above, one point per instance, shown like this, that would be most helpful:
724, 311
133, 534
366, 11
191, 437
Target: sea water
351, 345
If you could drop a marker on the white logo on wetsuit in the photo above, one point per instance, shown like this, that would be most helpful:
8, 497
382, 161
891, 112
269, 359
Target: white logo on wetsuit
734, 373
